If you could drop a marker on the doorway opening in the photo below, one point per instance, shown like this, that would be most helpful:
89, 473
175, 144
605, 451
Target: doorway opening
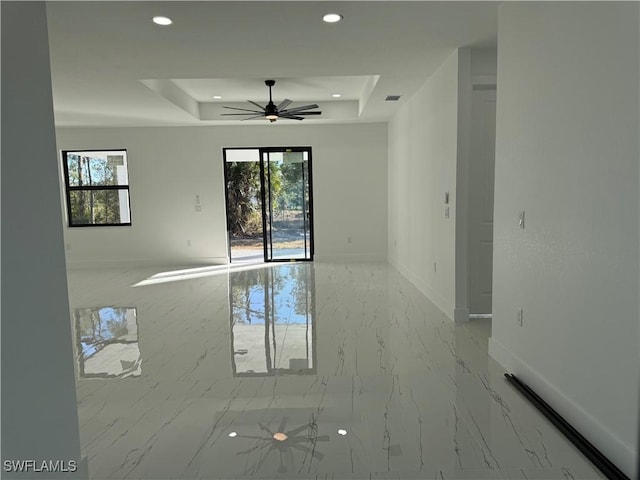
480, 193
269, 204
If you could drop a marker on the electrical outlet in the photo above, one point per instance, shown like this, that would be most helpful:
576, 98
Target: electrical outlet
520, 318
349, 239
188, 243
435, 266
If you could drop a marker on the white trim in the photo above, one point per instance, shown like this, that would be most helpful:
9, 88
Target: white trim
620, 453
463, 157
146, 262
351, 258
436, 298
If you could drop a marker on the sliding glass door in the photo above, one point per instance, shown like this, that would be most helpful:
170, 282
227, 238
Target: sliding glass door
275, 183
287, 205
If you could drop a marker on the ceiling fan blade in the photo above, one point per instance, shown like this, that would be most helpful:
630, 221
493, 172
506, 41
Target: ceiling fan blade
257, 105
305, 107
260, 114
243, 109
273, 111
284, 104
292, 117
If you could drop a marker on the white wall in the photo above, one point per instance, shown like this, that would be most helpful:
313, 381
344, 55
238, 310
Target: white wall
39, 416
422, 167
567, 154
169, 166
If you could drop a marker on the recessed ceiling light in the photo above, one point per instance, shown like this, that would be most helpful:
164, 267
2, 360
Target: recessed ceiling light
217, 97
233, 434
162, 20
342, 432
332, 17
336, 95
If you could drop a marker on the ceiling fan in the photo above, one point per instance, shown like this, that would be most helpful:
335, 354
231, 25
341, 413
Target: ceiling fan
272, 112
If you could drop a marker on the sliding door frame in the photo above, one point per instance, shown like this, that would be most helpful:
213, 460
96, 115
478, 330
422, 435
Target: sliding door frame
264, 184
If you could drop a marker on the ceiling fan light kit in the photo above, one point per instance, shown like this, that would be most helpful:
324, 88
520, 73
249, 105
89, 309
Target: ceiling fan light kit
273, 112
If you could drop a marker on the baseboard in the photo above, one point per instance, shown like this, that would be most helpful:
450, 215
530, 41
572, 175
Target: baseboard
350, 258
439, 301
146, 262
620, 453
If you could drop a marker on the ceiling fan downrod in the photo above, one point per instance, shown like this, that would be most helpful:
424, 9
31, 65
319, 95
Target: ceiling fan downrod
270, 110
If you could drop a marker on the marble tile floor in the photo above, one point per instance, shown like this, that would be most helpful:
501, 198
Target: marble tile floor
189, 373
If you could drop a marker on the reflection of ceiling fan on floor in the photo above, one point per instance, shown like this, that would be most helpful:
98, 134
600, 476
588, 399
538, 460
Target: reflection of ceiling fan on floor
272, 112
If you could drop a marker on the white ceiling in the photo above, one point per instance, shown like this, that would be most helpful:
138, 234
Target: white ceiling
111, 66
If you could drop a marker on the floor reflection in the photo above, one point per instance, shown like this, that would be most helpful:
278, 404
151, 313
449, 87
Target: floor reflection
107, 339
272, 321
283, 442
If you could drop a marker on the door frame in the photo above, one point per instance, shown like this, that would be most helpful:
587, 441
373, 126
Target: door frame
479, 303
261, 152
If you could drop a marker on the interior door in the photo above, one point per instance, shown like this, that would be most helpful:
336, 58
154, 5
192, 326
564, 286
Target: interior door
287, 204
481, 188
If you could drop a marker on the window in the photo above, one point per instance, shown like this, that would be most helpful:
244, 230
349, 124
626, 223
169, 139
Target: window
97, 185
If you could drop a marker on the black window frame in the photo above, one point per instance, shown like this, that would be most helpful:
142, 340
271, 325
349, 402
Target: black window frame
74, 188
